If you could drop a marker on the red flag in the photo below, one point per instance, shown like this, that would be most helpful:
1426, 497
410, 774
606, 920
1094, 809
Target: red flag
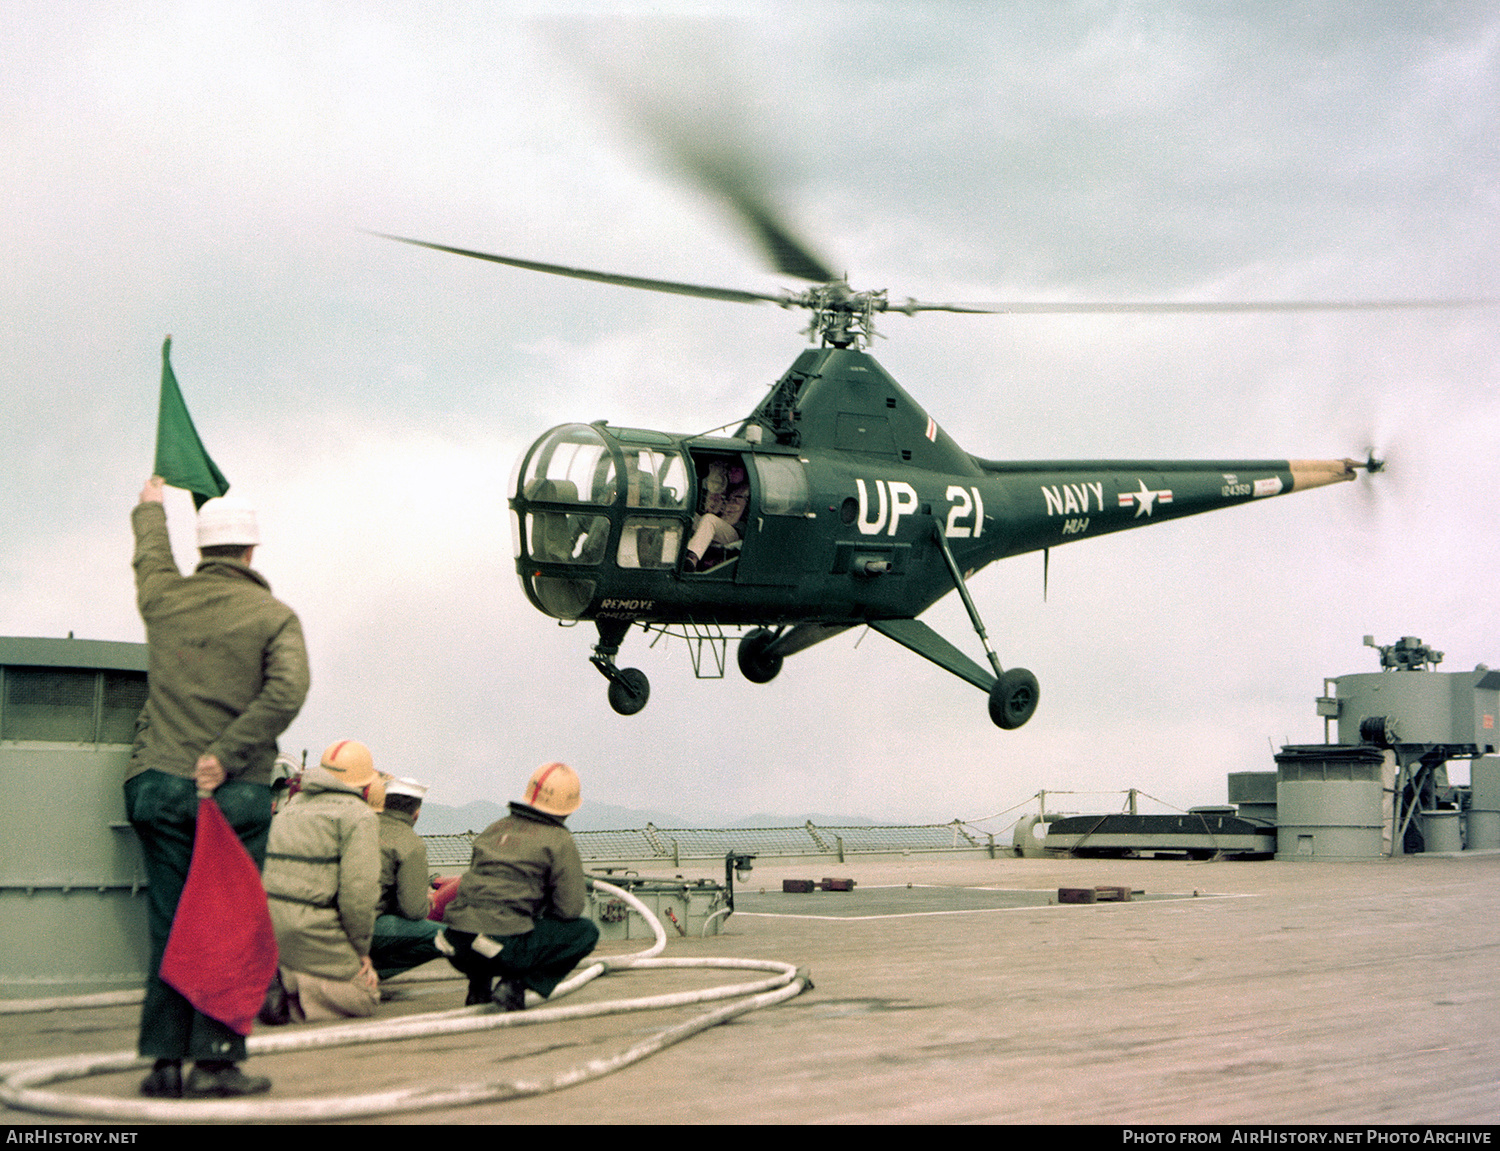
221, 954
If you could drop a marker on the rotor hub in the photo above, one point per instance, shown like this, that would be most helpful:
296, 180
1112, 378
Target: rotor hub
841, 318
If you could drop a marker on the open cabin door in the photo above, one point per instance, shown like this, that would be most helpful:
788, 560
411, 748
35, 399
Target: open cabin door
777, 543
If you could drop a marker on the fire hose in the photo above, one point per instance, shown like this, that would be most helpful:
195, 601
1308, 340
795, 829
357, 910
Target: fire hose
24, 1085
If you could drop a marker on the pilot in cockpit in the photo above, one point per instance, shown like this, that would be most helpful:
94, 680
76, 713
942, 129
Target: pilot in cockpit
726, 497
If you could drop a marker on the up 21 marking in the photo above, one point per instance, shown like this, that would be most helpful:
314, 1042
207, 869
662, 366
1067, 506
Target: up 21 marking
893, 499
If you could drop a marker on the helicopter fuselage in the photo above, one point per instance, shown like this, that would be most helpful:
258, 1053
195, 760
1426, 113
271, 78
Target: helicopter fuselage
850, 504
851, 485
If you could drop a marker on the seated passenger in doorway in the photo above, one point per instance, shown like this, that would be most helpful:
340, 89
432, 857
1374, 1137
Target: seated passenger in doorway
726, 497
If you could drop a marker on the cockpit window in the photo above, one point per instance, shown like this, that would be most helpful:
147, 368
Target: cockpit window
566, 538
783, 485
649, 542
655, 479
570, 465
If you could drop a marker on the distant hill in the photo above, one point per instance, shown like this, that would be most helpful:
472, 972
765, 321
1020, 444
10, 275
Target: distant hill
818, 818
476, 816
438, 819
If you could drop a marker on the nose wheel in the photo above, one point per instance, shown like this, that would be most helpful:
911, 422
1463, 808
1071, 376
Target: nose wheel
629, 689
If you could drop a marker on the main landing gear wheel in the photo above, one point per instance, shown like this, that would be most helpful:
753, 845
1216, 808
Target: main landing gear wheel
1013, 699
629, 691
756, 663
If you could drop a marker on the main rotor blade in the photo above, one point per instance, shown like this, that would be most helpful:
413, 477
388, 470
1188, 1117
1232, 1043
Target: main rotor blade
732, 295
682, 86
738, 185
911, 307
773, 234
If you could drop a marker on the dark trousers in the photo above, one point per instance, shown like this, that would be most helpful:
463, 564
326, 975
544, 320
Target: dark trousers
540, 959
163, 809
400, 944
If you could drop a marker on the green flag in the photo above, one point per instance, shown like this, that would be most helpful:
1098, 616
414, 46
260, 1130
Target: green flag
180, 458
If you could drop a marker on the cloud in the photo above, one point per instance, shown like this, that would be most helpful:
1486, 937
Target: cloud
206, 173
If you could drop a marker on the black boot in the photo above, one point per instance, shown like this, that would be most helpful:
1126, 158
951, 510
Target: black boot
165, 1080
510, 995
216, 1079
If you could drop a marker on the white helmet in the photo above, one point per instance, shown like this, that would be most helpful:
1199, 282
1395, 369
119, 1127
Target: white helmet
228, 520
401, 785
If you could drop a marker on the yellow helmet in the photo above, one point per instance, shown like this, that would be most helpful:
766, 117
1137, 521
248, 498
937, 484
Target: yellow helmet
375, 792
553, 788
350, 761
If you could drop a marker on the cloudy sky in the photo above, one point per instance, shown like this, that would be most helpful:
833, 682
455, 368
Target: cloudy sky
208, 170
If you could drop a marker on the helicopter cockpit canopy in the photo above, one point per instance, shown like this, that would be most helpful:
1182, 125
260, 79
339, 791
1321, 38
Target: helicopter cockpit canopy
572, 466
576, 461
566, 492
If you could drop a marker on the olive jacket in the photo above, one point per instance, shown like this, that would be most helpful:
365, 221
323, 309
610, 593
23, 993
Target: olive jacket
323, 876
403, 867
524, 866
227, 664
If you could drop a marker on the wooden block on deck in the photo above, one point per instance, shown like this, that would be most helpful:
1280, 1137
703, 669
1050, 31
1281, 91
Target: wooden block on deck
1077, 895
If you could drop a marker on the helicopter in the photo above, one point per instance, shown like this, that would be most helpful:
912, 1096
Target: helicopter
850, 505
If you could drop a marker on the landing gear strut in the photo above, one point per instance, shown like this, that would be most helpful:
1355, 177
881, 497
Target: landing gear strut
1013, 698
629, 689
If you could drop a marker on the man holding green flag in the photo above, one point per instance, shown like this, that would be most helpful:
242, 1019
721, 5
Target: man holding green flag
227, 673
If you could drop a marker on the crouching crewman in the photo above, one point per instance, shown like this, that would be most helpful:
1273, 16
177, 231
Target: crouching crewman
323, 877
403, 931
518, 912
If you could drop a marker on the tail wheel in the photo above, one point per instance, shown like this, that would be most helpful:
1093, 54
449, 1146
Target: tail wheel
629, 690
756, 663
1013, 699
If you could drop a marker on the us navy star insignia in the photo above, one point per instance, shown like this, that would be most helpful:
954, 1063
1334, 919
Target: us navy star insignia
1145, 500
